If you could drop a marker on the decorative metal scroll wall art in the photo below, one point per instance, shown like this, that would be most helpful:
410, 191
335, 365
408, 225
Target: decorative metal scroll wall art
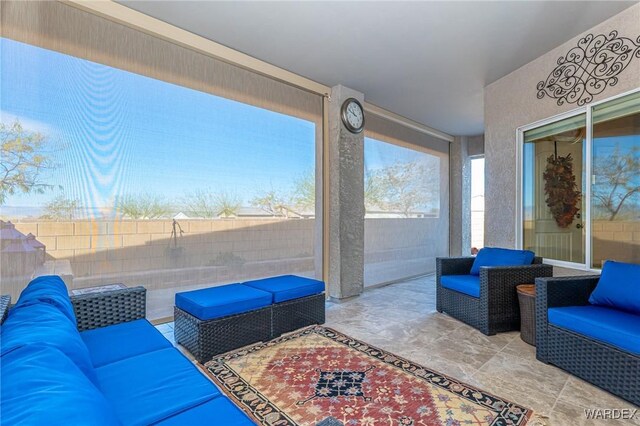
587, 69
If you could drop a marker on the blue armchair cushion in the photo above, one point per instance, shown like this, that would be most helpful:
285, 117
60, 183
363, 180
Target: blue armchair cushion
288, 287
222, 301
611, 326
467, 284
618, 287
220, 409
41, 386
43, 324
151, 387
493, 256
121, 341
49, 289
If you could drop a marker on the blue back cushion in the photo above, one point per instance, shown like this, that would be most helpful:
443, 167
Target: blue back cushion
48, 289
493, 256
618, 287
41, 386
44, 325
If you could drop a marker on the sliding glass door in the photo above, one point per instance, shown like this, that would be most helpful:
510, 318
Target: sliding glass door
615, 189
567, 217
553, 187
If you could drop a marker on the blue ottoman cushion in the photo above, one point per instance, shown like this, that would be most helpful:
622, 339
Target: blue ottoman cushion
220, 408
467, 284
288, 287
493, 256
617, 328
151, 387
618, 287
121, 341
222, 301
41, 386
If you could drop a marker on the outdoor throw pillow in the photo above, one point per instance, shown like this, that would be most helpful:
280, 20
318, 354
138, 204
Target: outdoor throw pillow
618, 287
493, 256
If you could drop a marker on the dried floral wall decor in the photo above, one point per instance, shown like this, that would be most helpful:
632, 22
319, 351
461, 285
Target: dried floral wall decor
561, 189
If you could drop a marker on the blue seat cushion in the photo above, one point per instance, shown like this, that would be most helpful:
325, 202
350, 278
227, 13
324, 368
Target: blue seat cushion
121, 341
43, 324
222, 301
220, 409
493, 256
154, 386
618, 287
617, 328
48, 289
41, 386
288, 287
467, 284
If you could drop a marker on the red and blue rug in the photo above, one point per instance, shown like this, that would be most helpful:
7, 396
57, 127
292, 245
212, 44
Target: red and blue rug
317, 373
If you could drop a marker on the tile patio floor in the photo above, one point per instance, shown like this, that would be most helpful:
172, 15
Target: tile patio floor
402, 318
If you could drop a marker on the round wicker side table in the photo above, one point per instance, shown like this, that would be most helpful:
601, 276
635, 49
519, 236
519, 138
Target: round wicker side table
527, 300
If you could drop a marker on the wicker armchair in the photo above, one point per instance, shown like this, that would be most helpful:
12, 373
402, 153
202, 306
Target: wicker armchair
596, 362
497, 309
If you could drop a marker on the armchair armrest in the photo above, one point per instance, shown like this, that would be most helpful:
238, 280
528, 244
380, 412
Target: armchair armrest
96, 310
554, 293
564, 291
453, 265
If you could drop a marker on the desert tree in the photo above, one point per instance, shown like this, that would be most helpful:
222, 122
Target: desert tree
60, 208
227, 204
207, 204
143, 206
23, 160
617, 180
405, 188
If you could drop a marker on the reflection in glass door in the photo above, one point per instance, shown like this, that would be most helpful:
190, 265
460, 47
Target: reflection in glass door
553, 188
615, 190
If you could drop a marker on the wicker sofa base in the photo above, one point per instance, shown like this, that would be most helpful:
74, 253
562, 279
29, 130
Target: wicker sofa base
613, 370
297, 313
205, 339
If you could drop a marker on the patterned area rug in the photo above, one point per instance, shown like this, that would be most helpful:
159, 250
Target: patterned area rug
318, 373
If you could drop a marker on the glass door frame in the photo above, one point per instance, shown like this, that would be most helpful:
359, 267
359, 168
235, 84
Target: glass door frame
588, 178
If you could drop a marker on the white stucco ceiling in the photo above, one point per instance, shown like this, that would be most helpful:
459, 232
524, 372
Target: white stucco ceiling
428, 61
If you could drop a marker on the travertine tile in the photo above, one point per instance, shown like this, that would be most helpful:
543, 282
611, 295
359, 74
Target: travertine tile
401, 318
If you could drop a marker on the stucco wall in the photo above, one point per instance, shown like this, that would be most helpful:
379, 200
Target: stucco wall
512, 102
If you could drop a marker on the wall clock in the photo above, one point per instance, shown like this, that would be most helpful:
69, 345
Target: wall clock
353, 115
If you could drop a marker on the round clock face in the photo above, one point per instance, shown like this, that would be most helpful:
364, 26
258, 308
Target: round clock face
353, 115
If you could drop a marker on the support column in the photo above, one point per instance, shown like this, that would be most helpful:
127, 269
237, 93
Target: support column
460, 198
346, 201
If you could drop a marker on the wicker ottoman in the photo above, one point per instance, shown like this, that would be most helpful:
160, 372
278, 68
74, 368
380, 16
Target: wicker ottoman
297, 302
216, 320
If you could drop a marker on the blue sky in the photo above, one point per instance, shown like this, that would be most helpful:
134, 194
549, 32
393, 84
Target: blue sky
115, 132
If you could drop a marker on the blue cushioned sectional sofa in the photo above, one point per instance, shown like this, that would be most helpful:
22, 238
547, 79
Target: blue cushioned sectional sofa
590, 326
123, 373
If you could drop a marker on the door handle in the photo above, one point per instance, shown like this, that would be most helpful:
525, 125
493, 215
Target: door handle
579, 226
